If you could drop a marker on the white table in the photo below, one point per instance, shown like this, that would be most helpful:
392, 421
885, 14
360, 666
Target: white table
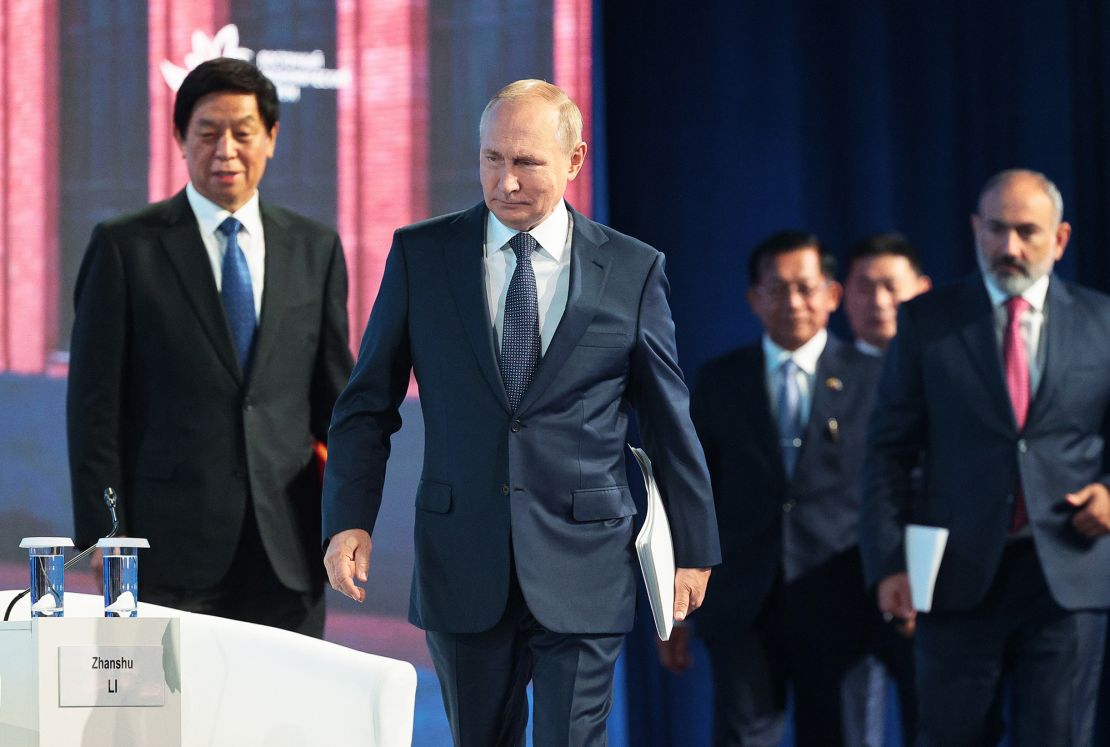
246, 685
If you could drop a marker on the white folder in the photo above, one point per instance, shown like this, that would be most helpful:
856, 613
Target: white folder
924, 550
656, 552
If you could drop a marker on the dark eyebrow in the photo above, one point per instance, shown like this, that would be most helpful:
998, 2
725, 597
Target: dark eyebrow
996, 224
249, 119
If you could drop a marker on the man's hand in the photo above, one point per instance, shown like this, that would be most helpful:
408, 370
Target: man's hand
674, 654
1093, 520
895, 601
689, 590
348, 559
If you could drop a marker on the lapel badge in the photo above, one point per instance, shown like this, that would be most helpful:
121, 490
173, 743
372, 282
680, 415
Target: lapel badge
834, 383
834, 429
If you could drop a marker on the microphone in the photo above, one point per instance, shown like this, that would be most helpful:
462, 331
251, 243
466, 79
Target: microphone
110, 500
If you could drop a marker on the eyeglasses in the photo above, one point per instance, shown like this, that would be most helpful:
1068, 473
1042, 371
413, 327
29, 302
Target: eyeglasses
780, 292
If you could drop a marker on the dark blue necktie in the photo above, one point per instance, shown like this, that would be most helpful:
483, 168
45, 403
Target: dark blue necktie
238, 295
790, 415
520, 334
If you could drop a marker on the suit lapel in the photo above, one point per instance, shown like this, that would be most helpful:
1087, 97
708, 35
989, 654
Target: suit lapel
981, 340
589, 269
279, 270
764, 428
1056, 337
465, 274
183, 247
829, 382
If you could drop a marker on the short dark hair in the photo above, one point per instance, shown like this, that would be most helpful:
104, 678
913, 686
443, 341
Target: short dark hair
219, 75
890, 244
785, 241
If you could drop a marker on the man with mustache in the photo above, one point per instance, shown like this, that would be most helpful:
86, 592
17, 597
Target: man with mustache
1000, 380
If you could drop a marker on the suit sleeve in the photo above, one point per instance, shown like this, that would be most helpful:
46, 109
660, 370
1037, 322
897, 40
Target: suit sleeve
367, 412
662, 404
97, 380
333, 358
896, 438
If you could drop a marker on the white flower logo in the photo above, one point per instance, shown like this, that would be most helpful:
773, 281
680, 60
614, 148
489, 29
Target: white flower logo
224, 44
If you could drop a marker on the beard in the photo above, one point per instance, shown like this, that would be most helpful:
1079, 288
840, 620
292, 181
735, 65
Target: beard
1010, 275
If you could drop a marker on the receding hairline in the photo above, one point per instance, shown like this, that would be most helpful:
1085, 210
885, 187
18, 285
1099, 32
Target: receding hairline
569, 127
1003, 178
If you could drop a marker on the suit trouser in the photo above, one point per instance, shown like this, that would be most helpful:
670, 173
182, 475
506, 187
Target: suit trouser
895, 652
809, 635
484, 676
1020, 632
250, 591
1102, 722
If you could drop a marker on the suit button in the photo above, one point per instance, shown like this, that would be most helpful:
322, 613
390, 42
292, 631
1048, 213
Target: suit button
505, 489
788, 507
515, 426
1022, 446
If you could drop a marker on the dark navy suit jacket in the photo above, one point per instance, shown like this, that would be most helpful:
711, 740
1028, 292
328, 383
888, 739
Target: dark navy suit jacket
943, 392
770, 524
543, 489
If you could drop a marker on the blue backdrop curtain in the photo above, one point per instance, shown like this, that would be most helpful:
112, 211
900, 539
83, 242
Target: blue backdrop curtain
728, 119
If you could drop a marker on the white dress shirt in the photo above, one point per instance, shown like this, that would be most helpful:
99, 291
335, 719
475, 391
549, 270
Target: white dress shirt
1032, 325
867, 348
805, 358
210, 216
550, 262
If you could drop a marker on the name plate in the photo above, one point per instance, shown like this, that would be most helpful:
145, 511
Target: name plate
110, 676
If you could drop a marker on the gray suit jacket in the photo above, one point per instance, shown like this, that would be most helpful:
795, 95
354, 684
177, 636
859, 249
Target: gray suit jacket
943, 393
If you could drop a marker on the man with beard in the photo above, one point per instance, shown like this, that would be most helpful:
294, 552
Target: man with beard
1000, 381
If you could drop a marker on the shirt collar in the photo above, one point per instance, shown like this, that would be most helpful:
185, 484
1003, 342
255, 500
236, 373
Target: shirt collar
867, 348
805, 357
210, 215
1034, 294
551, 234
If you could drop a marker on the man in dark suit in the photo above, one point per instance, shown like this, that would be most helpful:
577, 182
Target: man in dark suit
209, 346
884, 271
531, 331
782, 423
1001, 381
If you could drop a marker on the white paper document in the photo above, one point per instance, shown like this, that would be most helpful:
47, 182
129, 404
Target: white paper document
656, 552
924, 550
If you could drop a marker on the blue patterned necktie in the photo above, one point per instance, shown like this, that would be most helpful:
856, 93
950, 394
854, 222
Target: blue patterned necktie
789, 415
520, 334
238, 295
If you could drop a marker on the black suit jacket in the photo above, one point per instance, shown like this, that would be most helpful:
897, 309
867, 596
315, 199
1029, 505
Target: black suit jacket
159, 409
943, 392
769, 524
543, 489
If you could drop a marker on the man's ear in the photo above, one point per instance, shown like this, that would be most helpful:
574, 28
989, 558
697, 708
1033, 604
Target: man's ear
577, 159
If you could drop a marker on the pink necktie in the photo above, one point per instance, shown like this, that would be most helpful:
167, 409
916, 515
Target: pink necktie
1016, 360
